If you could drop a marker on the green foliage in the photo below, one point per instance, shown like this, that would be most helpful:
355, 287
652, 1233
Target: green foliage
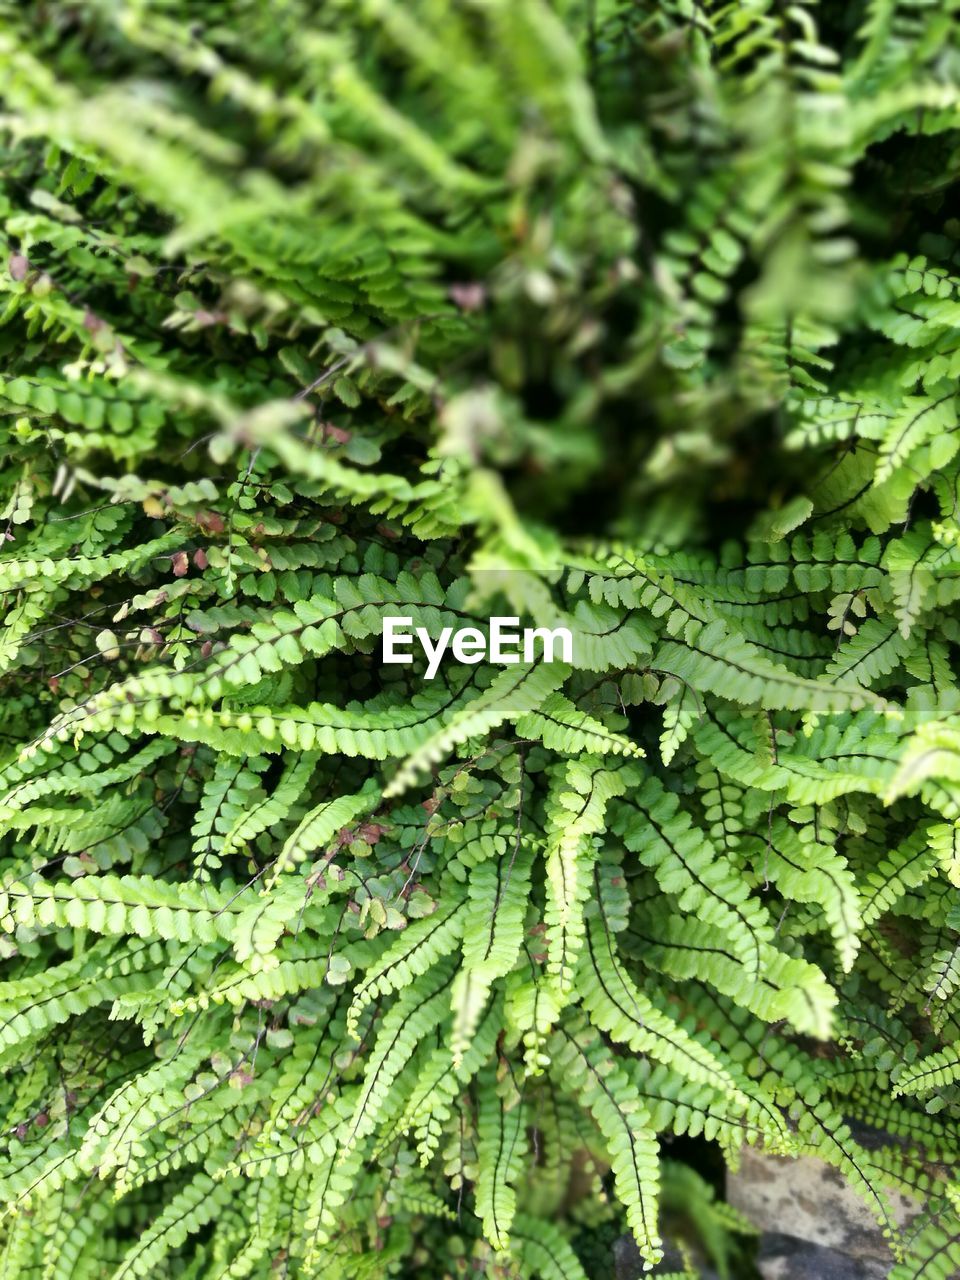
638, 319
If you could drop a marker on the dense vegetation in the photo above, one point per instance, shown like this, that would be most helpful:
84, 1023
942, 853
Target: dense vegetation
636, 317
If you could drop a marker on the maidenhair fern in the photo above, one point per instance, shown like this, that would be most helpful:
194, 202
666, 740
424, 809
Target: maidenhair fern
634, 319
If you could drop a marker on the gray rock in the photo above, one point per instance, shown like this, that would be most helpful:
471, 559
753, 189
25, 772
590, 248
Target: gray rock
811, 1202
813, 1225
787, 1258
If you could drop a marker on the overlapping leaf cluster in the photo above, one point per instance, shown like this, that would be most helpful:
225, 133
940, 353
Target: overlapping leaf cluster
636, 318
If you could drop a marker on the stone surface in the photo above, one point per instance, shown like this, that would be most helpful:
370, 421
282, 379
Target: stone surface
813, 1225
787, 1258
810, 1201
